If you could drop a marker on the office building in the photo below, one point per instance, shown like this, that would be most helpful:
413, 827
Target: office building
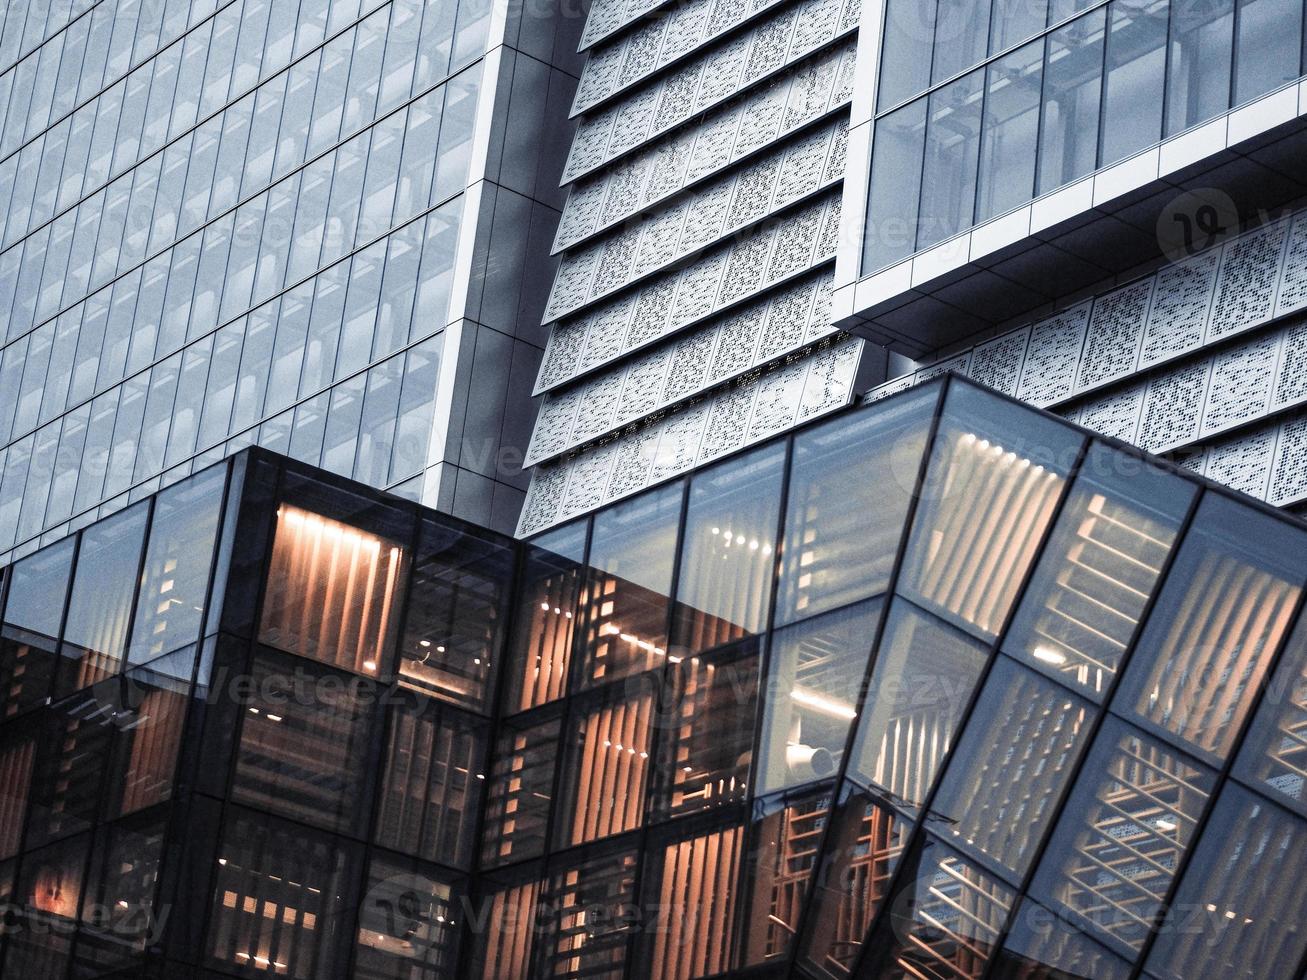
301, 224
1096, 207
1040, 716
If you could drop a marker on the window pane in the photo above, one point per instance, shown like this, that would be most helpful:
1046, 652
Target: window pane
948, 179
630, 577
1127, 823
1198, 84
961, 37
331, 591
691, 886
103, 593
175, 581
1247, 875
1073, 85
408, 923
151, 719
706, 720
1006, 776
17, 754
302, 749
1274, 753
606, 765
1222, 613
71, 760
503, 949
924, 675
894, 197
546, 617
862, 850
850, 484
453, 638
906, 48
520, 792
588, 922
271, 872
37, 587
1043, 943
119, 917
995, 477
815, 675
943, 922
1011, 131
49, 892
1270, 46
727, 553
1015, 20
431, 784
1136, 71
1095, 575
782, 856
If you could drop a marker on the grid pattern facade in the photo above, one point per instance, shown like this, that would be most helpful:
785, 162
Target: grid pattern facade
690, 314
942, 686
250, 222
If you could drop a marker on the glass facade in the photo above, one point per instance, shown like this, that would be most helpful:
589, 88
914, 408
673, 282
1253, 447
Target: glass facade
983, 105
1042, 719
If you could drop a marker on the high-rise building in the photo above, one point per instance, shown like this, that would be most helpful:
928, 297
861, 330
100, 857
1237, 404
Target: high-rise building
941, 686
313, 226
1089, 205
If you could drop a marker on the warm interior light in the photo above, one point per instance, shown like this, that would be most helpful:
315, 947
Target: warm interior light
823, 704
1046, 654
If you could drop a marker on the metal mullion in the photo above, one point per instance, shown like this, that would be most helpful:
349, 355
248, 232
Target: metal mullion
1223, 778
919, 833
841, 774
1102, 712
1236, 21
1109, 10
1168, 45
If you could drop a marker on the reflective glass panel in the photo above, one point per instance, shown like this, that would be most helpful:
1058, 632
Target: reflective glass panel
1007, 774
38, 586
728, 550
119, 917
588, 923
175, 580
861, 852
924, 676
1274, 752
408, 923
151, 719
104, 589
1127, 823
1101, 564
1015, 20
995, 478
68, 779
1010, 136
1269, 47
504, 948
815, 673
520, 793
17, 755
331, 591
454, 633
632, 549
1222, 613
948, 178
784, 839
1198, 76
1043, 944
47, 898
1133, 92
1241, 908
894, 195
961, 36
1073, 90
906, 48
546, 617
433, 775
850, 485
706, 721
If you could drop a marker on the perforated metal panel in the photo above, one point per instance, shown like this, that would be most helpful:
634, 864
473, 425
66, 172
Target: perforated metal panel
588, 481
1178, 317
1243, 462
958, 363
643, 387
1291, 374
1240, 385
1173, 405
1288, 480
728, 422
1245, 289
1116, 330
1052, 356
1293, 277
678, 445
597, 409
788, 317
830, 379
997, 362
1116, 414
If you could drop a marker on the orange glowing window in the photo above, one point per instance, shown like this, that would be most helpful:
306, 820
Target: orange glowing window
331, 591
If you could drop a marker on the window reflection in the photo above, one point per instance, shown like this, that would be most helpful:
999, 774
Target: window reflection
861, 852
1099, 568
1133, 90
589, 925
331, 591
456, 616
924, 675
17, 755
606, 765
278, 905
546, 617
1126, 825
520, 793
1247, 893
782, 858
151, 720
850, 484
28, 639
1073, 87
1043, 944
1223, 611
944, 921
1007, 774
631, 553
48, 897
431, 784
505, 949
104, 589
707, 716
1274, 753
409, 924
994, 481
72, 756
175, 579
727, 554
816, 671
119, 915
1202, 43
